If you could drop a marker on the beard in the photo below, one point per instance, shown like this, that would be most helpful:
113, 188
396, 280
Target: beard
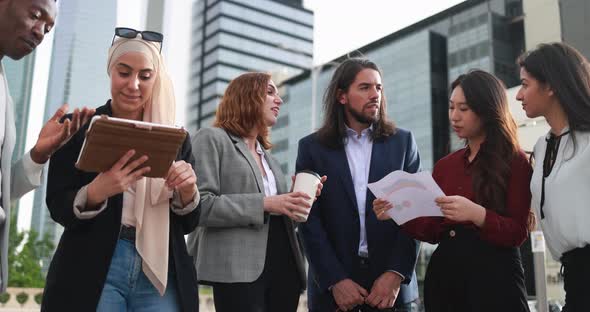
360, 117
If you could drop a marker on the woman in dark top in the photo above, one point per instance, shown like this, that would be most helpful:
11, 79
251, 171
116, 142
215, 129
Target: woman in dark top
123, 245
477, 265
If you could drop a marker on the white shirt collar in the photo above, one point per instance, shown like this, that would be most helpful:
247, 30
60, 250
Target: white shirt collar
563, 132
259, 148
352, 133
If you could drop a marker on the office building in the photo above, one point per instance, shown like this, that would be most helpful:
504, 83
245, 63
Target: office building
230, 37
418, 63
557, 21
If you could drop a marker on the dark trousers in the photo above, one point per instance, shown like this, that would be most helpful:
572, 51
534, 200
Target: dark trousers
278, 287
466, 274
364, 278
576, 274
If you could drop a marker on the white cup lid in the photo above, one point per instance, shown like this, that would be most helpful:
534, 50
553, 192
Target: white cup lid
310, 172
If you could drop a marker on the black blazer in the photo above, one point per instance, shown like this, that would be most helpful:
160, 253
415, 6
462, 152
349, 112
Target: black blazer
80, 264
332, 232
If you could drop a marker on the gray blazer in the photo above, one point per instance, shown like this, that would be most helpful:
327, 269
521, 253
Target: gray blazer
15, 182
229, 245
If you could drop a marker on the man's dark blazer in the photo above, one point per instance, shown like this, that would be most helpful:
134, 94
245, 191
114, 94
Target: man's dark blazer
79, 267
332, 232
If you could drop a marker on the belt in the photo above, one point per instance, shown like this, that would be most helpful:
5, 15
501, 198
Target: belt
127, 233
580, 252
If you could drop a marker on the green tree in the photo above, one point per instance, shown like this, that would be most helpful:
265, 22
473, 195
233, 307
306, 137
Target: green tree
24, 266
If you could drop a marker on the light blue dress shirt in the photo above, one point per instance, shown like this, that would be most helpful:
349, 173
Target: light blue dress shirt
358, 153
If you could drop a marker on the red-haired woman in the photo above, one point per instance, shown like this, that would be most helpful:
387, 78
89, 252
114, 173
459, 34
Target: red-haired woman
245, 245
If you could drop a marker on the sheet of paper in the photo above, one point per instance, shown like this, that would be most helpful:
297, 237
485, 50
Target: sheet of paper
411, 194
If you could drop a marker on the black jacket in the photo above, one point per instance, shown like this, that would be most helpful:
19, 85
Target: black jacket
80, 264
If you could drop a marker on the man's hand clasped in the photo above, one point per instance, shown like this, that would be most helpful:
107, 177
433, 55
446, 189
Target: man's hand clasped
348, 294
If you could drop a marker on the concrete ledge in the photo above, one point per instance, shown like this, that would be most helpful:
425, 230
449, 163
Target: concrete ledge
205, 301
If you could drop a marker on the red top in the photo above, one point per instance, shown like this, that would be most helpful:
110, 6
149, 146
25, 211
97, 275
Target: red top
452, 174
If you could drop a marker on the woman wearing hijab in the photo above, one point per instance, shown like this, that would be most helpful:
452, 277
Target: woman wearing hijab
123, 244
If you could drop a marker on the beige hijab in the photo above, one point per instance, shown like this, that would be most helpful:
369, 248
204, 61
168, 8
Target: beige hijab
152, 197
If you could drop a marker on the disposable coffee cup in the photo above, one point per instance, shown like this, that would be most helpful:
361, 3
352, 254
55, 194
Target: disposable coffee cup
306, 181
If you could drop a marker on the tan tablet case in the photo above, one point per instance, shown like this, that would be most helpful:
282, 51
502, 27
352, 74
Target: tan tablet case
108, 139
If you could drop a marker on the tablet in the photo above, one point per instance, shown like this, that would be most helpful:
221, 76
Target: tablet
109, 138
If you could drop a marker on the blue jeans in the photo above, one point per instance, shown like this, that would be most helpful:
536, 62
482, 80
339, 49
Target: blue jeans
128, 289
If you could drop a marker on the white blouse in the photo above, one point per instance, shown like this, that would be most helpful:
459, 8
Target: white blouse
566, 223
268, 178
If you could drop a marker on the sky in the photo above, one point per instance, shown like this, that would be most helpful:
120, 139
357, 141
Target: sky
341, 26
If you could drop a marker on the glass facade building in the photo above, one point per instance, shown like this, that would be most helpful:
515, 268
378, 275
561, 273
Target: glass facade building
418, 64
557, 21
230, 37
574, 24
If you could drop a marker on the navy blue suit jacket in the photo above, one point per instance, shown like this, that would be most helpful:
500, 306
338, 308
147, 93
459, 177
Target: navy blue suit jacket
332, 232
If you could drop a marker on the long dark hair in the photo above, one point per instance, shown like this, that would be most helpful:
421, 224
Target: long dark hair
486, 97
333, 131
567, 73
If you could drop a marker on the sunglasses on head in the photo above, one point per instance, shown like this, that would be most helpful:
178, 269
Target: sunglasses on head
131, 33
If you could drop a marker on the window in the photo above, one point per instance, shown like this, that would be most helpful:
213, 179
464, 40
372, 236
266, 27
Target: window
282, 122
280, 146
